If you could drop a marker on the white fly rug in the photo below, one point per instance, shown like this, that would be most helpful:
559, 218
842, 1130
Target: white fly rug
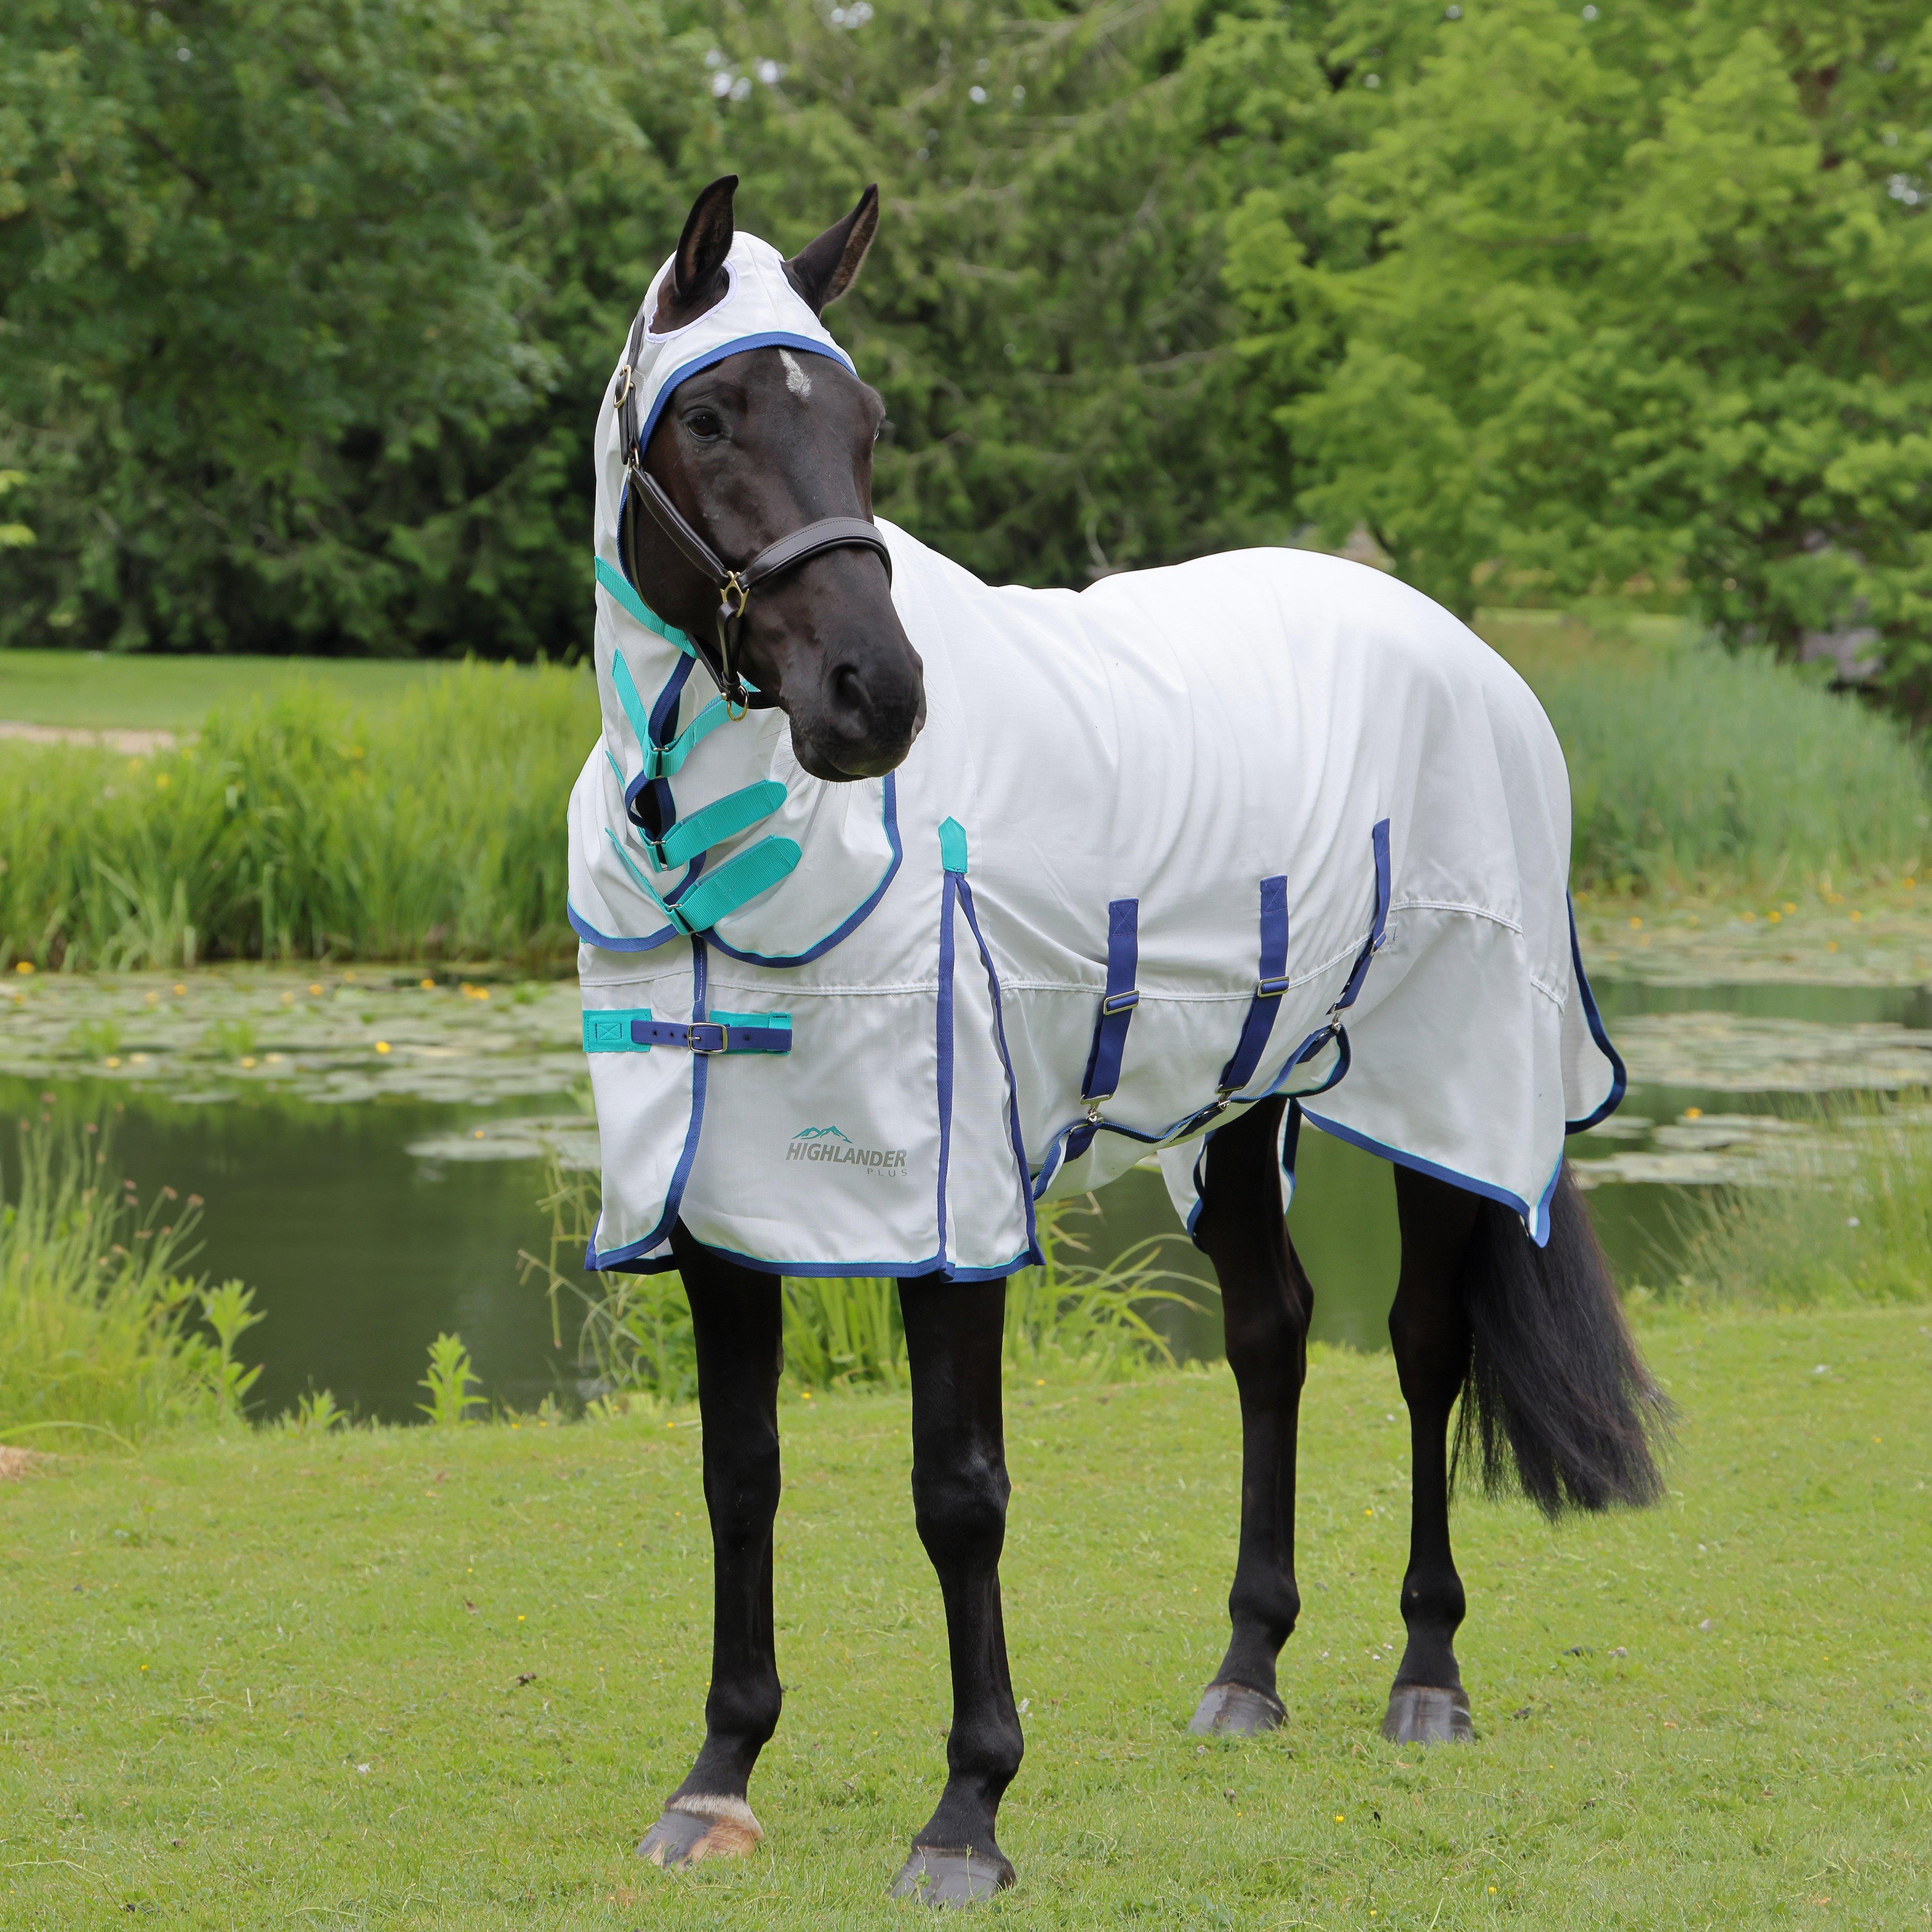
1266, 823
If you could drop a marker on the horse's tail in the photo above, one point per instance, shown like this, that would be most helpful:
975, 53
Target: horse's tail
1558, 1401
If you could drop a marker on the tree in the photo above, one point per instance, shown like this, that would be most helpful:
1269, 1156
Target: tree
286, 293
1636, 301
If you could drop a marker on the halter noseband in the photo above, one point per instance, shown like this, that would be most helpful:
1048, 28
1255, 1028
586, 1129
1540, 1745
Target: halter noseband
734, 587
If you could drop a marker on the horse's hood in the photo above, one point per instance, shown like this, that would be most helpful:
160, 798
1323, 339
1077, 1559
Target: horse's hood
760, 309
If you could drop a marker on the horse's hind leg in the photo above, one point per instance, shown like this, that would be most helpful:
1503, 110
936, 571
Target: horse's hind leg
1266, 1303
955, 1334
1430, 1330
735, 1313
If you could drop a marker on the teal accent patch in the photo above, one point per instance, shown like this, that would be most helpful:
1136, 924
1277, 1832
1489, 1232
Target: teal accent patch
741, 878
723, 818
613, 580
626, 688
661, 760
608, 1030
767, 1022
952, 845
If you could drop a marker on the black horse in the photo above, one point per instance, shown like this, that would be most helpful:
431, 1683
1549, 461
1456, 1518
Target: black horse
1555, 1398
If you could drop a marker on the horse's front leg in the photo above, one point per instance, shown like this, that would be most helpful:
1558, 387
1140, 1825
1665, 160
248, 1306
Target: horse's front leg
1266, 1303
735, 1312
954, 1331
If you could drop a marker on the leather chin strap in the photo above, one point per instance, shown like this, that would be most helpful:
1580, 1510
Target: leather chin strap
734, 587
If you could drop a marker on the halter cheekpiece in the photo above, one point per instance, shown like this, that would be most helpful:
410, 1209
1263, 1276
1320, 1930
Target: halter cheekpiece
734, 587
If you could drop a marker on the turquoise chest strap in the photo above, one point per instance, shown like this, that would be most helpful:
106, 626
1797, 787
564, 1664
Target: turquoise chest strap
700, 903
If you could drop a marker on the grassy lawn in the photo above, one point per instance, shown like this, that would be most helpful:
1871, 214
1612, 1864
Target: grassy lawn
101, 691
418, 1679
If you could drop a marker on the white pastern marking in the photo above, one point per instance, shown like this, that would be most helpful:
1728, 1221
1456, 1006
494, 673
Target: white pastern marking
797, 380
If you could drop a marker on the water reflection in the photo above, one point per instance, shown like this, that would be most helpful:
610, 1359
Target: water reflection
360, 1252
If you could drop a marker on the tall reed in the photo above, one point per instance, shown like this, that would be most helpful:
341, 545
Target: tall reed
300, 825
97, 1308
1692, 766
1066, 1317
1848, 1219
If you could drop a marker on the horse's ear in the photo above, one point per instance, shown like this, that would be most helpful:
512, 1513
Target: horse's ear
709, 230
822, 270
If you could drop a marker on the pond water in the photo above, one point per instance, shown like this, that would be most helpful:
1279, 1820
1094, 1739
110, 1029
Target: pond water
371, 1150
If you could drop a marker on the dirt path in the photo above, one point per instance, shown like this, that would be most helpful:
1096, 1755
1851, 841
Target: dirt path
138, 743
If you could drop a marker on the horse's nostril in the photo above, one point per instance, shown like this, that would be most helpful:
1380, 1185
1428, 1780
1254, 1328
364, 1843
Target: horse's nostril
848, 689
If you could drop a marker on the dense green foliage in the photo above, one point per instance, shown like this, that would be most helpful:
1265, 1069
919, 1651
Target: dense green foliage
303, 308
426, 1679
306, 309
1692, 767
292, 294
300, 827
1626, 298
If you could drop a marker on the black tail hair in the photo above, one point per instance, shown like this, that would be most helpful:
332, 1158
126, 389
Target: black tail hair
1558, 1402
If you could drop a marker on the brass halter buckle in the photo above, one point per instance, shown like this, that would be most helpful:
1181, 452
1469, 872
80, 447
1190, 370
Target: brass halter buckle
733, 596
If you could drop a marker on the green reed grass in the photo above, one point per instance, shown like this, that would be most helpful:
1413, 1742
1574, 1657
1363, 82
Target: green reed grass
1848, 1221
1066, 1317
97, 1310
302, 826
1691, 766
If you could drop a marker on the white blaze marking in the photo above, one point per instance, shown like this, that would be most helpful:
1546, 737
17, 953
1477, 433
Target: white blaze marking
797, 380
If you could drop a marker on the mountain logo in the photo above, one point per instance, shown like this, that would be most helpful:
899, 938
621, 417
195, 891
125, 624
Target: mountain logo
829, 1147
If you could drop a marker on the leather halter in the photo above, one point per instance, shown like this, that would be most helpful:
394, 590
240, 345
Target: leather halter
734, 587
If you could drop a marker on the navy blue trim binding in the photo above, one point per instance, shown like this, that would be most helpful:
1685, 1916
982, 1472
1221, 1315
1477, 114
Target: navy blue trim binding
943, 1044
611, 942
1269, 987
819, 1270
1535, 1216
1033, 1255
890, 818
1620, 1083
774, 338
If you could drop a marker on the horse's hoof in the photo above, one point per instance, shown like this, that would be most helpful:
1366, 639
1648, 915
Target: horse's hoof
693, 1829
938, 1875
1236, 1711
1420, 1714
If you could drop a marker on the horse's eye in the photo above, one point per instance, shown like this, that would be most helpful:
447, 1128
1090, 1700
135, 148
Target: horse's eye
884, 434
706, 425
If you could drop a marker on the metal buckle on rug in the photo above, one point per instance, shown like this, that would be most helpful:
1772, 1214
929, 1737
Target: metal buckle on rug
705, 1037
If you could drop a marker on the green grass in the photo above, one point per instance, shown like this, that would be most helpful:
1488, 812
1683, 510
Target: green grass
442, 1678
299, 826
99, 691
